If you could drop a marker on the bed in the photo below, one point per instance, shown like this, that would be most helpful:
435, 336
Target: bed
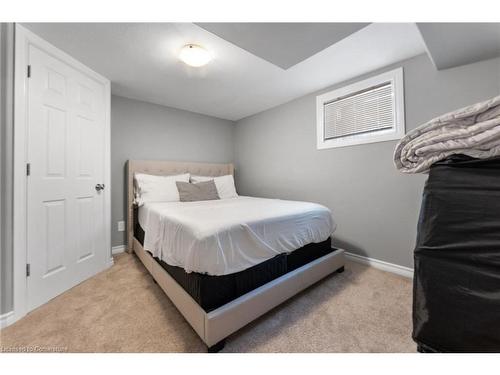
224, 263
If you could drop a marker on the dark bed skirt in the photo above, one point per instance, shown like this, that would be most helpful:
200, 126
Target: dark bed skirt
212, 292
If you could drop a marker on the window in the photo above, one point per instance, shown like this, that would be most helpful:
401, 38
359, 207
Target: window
364, 112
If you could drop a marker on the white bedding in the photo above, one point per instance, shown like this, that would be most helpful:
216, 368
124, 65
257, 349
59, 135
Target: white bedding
221, 237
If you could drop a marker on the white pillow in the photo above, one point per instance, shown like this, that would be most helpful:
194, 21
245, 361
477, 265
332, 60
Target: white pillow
151, 188
224, 184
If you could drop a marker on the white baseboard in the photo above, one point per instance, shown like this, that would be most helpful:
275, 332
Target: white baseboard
117, 249
7, 319
381, 265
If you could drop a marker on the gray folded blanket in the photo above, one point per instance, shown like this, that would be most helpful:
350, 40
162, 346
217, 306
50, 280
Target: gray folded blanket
472, 131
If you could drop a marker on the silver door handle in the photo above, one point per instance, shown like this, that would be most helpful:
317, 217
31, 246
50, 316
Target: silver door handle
99, 187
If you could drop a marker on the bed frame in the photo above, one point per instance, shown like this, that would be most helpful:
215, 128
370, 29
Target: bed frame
214, 326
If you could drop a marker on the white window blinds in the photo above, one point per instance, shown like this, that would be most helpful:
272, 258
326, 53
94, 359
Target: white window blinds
365, 111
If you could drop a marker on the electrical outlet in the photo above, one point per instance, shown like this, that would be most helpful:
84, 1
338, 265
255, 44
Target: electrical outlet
121, 226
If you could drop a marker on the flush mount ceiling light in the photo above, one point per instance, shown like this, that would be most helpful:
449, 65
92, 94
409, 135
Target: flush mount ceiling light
194, 55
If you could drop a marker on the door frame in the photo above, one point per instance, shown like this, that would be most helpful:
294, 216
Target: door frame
23, 40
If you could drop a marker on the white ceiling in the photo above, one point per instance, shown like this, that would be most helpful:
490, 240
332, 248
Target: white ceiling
454, 44
141, 62
283, 44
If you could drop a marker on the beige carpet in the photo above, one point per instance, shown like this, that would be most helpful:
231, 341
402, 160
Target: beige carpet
123, 310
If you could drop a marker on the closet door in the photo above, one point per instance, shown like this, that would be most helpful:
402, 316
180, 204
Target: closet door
66, 192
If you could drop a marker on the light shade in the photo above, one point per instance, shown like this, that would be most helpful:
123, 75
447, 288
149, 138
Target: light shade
194, 55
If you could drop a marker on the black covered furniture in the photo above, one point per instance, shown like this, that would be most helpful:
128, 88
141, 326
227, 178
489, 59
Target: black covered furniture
456, 296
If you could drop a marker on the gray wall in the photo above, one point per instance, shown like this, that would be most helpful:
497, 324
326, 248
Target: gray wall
376, 207
6, 133
275, 152
141, 130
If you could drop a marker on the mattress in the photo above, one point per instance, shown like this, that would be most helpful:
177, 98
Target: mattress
223, 237
211, 292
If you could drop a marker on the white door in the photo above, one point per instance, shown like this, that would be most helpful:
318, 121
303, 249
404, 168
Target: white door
66, 150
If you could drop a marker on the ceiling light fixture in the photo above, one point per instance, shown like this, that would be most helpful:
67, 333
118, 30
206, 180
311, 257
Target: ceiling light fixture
194, 55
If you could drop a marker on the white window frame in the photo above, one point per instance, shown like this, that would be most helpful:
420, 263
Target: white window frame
396, 78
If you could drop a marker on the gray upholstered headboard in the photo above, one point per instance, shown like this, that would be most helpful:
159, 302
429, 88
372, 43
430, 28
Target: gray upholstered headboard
164, 168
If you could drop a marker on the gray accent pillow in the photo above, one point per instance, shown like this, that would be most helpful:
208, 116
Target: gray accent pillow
201, 191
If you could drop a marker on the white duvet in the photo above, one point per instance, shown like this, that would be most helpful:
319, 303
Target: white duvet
225, 236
